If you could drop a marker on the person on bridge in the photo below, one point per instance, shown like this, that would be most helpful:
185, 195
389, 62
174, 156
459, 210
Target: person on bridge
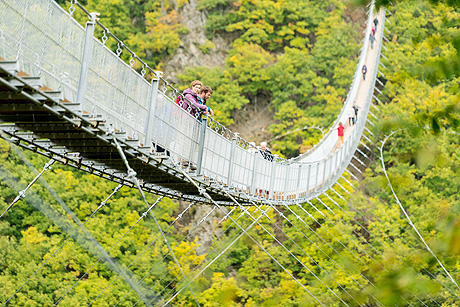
205, 94
376, 22
340, 130
372, 39
265, 152
364, 70
191, 101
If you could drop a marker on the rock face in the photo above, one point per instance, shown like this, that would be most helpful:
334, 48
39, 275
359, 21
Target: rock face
189, 53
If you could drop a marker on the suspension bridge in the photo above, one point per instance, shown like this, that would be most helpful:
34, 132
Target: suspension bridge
65, 95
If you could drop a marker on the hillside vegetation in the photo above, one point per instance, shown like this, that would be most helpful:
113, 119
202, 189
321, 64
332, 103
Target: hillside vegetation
298, 57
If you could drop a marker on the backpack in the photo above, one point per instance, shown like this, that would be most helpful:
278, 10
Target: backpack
179, 100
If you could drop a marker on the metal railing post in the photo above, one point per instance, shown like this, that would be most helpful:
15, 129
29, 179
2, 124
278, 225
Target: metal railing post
151, 112
287, 181
308, 180
254, 172
317, 175
230, 161
86, 59
204, 124
298, 180
272, 177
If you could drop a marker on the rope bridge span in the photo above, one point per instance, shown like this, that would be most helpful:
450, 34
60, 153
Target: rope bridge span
65, 95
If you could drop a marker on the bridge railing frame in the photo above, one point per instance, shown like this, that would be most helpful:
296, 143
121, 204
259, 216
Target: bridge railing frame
149, 112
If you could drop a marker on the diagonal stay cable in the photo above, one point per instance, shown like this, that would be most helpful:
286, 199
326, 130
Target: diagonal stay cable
141, 253
372, 247
384, 234
110, 262
183, 239
192, 249
68, 238
384, 243
409, 265
330, 246
226, 247
294, 256
208, 255
367, 231
407, 215
119, 239
22, 193
132, 174
403, 239
204, 193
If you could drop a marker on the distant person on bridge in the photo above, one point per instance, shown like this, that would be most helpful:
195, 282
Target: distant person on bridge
356, 109
364, 70
376, 22
191, 101
351, 116
340, 130
265, 152
372, 39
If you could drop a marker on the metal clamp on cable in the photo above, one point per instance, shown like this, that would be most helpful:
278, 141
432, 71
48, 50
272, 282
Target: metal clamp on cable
131, 173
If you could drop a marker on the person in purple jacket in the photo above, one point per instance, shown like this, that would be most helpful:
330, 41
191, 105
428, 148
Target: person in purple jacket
191, 101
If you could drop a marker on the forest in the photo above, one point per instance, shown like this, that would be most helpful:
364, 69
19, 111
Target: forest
293, 60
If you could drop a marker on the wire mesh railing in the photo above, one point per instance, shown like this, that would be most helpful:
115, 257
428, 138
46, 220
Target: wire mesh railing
143, 104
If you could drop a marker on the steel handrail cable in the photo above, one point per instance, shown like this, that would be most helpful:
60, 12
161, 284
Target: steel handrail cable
68, 238
132, 53
203, 192
350, 95
407, 215
22, 193
119, 239
141, 253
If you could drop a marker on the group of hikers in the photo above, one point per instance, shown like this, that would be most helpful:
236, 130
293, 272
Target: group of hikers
353, 111
194, 100
372, 40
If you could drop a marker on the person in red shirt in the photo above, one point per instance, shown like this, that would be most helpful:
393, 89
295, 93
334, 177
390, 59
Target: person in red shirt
340, 130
